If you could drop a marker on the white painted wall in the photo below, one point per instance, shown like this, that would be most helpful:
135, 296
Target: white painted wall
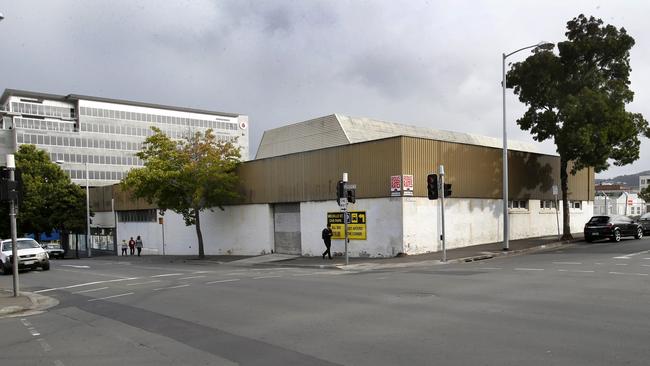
238, 230
384, 227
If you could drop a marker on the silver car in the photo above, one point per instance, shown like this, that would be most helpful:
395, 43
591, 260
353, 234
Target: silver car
30, 255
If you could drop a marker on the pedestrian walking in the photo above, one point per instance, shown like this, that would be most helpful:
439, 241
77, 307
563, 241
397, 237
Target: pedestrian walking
327, 239
138, 244
124, 246
132, 246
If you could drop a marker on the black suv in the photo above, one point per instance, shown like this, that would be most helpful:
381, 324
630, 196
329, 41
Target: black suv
613, 227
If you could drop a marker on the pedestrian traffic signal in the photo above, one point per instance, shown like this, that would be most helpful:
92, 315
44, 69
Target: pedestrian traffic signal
340, 191
447, 189
432, 186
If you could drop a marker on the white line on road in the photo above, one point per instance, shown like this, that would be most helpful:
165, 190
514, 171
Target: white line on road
84, 284
112, 297
645, 265
168, 274
490, 268
189, 278
621, 264
574, 271
259, 278
74, 266
628, 256
529, 269
304, 274
221, 281
167, 288
567, 263
34, 332
91, 290
26, 323
199, 272
142, 283
629, 274
269, 269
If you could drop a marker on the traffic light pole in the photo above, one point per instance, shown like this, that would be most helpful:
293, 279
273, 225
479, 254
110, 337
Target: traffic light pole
441, 195
11, 165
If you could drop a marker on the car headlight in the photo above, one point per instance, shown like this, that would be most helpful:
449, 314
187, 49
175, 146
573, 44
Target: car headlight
42, 255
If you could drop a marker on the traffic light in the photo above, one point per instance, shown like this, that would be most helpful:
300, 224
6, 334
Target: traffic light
447, 189
432, 186
340, 191
351, 195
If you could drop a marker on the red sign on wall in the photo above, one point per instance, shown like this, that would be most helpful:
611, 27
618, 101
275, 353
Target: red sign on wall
395, 185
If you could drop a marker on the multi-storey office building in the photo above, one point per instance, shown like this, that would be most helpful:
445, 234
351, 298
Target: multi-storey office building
100, 135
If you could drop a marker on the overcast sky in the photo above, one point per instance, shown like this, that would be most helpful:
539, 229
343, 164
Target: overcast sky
426, 63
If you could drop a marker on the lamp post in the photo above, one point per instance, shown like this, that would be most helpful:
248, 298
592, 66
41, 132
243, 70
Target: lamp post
506, 233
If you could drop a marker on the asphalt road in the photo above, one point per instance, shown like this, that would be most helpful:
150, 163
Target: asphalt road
587, 304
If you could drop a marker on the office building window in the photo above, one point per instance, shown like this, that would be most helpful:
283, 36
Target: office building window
518, 204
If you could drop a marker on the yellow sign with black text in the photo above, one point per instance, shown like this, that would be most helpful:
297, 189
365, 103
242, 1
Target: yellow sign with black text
356, 225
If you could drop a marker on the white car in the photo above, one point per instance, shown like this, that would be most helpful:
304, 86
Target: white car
54, 250
30, 253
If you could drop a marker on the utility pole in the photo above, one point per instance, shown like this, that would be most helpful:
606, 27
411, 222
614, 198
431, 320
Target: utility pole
11, 165
441, 194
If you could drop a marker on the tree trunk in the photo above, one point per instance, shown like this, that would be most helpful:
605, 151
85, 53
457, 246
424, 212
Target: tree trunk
564, 182
199, 235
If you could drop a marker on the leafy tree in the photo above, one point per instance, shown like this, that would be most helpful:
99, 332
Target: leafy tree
50, 201
644, 194
578, 98
186, 176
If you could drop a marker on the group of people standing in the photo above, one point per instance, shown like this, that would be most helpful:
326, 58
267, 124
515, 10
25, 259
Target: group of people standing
132, 245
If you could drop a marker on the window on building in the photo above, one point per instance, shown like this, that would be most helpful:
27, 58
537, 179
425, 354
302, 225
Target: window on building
518, 204
576, 204
137, 216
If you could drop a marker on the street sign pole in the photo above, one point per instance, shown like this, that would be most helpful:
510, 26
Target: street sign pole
557, 215
344, 207
441, 195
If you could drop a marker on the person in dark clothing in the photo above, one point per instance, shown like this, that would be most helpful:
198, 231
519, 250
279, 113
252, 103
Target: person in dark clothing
138, 245
327, 239
132, 246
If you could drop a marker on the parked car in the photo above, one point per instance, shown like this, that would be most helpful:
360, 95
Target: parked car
30, 255
612, 227
644, 220
54, 250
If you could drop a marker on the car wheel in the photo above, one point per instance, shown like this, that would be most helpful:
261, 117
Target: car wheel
639, 233
46, 266
616, 236
589, 240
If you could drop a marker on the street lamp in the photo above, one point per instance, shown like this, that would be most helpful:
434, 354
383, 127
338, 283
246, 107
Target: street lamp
506, 233
88, 245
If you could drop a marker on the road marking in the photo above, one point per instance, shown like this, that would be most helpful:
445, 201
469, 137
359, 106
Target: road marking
112, 297
91, 290
645, 265
233, 274
598, 264
34, 332
304, 274
269, 269
381, 278
26, 323
85, 284
74, 266
529, 269
490, 268
629, 274
221, 281
142, 283
621, 264
567, 263
168, 274
647, 258
259, 278
199, 272
46, 347
628, 256
574, 271
167, 288
188, 278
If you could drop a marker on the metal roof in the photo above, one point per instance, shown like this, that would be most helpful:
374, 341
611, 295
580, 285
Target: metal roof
75, 97
337, 130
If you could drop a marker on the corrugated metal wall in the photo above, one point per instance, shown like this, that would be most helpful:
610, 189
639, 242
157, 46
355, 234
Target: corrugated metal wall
474, 171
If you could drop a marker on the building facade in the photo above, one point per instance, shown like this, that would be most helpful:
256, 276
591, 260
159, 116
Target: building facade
100, 136
289, 195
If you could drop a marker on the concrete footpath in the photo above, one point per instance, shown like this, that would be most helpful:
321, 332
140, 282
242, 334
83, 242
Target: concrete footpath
465, 254
26, 303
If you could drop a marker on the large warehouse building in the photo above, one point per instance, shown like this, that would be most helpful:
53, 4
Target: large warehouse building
290, 189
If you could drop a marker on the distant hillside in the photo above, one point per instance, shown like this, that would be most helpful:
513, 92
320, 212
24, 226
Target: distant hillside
631, 180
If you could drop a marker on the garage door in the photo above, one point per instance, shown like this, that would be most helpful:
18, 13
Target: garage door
286, 219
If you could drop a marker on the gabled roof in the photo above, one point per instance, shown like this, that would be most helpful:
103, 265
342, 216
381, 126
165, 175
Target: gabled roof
337, 130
